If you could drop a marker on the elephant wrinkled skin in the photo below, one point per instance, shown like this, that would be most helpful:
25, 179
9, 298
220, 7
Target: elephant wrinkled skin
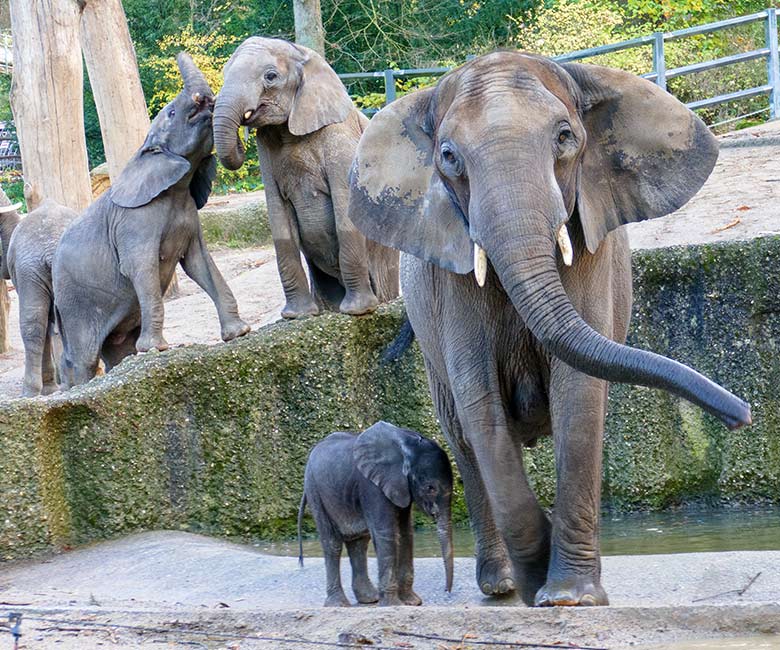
307, 132
522, 170
116, 260
361, 488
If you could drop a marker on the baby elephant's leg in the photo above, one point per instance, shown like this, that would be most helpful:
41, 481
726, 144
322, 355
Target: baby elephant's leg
364, 589
332, 543
406, 560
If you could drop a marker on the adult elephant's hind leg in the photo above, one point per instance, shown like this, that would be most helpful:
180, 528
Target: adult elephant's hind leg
578, 408
494, 570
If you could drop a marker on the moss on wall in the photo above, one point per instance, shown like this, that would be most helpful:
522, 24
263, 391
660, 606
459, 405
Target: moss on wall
215, 439
236, 227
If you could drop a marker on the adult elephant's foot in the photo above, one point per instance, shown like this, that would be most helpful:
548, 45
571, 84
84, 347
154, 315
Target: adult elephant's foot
234, 329
298, 308
494, 574
337, 600
365, 593
148, 342
574, 591
411, 598
391, 600
49, 388
356, 303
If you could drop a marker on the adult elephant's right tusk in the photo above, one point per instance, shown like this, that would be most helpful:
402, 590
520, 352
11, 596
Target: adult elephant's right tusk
564, 243
248, 114
480, 264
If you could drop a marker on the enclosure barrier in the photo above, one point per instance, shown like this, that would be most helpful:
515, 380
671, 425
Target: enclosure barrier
659, 74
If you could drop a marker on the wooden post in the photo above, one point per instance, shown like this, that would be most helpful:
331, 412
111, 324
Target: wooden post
116, 84
308, 25
47, 101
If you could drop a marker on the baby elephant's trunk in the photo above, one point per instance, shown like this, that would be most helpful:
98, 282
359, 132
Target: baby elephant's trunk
444, 528
300, 525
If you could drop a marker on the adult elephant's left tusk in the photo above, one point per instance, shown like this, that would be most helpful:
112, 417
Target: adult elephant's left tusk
480, 265
564, 243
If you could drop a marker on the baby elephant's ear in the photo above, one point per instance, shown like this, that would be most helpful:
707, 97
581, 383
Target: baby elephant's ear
380, 457
148, 174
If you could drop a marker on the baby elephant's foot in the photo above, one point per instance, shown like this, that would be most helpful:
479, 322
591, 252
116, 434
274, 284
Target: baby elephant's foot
337, 600
366, 593
148, 342
411, 598
49, 388
298, 308
578, 590
234, 329
356, 304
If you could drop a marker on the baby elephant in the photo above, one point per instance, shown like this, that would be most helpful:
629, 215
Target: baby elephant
361, 485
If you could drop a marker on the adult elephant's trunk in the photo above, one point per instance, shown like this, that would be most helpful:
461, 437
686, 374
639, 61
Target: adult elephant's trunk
444, 529
228, 113
522, 250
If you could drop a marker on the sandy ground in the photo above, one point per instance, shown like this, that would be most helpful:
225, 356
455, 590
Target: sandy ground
186, 589
740, 200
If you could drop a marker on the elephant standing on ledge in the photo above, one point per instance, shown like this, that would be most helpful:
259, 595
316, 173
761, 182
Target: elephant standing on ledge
29, 253
523, 170
115, 261
307, 133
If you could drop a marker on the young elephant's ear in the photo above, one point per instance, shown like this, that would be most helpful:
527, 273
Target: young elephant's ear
646, 153
396, 196
148, 174
200, 185
321, 98
381, 455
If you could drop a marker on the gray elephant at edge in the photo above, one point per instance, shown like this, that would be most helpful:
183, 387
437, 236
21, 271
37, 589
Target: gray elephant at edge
307, 132
28, 251
507, 184
361, 488
115, 261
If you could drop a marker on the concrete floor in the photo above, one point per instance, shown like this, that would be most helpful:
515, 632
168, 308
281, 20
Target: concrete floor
187, 589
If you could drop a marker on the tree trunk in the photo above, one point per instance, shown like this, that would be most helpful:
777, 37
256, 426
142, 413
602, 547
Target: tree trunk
5, 305
308, 25
47, 101
113, 74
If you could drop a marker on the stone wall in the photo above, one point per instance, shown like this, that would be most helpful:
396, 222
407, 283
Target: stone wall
214, 439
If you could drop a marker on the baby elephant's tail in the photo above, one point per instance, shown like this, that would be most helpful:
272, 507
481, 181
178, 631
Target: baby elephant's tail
301, 508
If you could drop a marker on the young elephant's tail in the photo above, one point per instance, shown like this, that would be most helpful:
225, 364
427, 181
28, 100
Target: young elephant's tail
400, 343
301, 508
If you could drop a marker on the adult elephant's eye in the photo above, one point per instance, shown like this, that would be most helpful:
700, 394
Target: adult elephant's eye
451, 161
271, 76
172, 112
564, 136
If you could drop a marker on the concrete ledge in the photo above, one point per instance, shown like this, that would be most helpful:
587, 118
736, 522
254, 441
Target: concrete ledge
215, 439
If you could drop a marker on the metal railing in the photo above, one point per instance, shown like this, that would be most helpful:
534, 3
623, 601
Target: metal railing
660, 74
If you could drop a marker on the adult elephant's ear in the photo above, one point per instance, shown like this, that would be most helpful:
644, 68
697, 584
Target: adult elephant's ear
202, 180
380, 456
396, 196
148, 174
646, 153
320, 99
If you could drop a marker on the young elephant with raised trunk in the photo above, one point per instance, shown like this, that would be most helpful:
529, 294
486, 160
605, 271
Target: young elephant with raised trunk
507, 184
29, 252
116, 260
361, 487
307, 133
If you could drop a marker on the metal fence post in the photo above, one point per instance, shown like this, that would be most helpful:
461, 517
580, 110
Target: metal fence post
773, 64
389, 87
659, 62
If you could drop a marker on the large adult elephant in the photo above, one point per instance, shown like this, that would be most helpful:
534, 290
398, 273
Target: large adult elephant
522, 171
307, 133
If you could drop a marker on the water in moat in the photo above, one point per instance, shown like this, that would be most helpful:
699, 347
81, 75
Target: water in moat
679, 531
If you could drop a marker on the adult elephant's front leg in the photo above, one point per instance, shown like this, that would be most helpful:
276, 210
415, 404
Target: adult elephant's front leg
359, 297
578, 408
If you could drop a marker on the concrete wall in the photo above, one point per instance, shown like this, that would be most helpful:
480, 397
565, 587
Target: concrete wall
215, 439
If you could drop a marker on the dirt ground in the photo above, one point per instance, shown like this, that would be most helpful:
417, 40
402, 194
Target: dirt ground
171, 589
740, 200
